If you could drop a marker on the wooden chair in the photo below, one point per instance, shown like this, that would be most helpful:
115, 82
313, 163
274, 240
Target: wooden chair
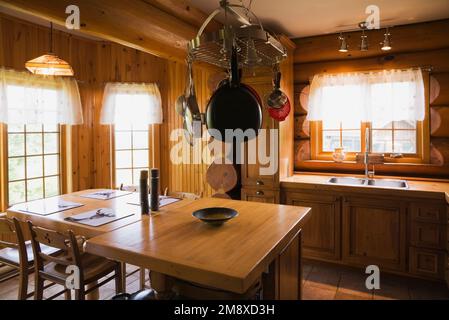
91, 268
18, 254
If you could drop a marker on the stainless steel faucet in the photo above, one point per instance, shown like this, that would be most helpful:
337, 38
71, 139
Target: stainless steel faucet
368, 174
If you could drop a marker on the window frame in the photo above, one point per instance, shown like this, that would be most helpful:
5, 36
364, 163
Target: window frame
64, 162
422, 155
114, 150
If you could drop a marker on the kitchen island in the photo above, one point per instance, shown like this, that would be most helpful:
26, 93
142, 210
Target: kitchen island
261, 245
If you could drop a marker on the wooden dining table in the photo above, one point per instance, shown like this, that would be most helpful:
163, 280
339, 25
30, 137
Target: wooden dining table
263, 243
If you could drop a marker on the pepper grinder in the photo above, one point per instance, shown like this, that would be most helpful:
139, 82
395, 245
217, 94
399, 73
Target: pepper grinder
144, 205
154, 183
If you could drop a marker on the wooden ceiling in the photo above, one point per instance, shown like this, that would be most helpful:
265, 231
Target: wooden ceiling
159, 27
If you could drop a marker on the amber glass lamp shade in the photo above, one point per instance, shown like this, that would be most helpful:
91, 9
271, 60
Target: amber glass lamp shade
49, 64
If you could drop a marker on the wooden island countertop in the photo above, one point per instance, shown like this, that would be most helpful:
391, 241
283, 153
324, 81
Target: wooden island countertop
428, 189
230, 257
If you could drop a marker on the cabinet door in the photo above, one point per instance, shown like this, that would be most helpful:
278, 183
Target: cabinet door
259, 195
251, 170
321, 234
374, 233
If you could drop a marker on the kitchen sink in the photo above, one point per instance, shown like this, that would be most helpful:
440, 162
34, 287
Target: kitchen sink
396, 184
363, 182
348, 181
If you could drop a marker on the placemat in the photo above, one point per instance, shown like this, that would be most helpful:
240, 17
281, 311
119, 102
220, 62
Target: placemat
47, 206
105, 194
98, 217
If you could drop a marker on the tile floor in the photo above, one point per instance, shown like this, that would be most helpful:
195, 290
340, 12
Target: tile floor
320, 282
330, 282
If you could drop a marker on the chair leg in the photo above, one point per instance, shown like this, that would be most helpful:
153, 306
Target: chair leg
80, 294
38, 287
68, 295
23, 284
142, 278
123, 275
119, 279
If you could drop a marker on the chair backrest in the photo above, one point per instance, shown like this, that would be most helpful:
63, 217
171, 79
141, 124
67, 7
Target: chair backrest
8, 231
12, 230
67, 243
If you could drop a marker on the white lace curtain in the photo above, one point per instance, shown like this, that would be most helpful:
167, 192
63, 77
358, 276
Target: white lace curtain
32, 99
384, 96
131, 104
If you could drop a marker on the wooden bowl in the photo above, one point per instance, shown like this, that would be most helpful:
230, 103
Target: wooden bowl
215, 216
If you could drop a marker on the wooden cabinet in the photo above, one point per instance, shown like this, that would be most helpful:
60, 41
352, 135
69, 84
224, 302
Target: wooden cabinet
428, 235
374, 232
260, 195
428, 212
428, 263
253, 174
321, 234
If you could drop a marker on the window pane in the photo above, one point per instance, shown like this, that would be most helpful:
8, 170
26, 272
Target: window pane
34, 167
51, 186
35, 189
140, 140
122, 140
16, 192
331, 140
140, 159
51, 165
411, 125
405, 141
16, 169
136, 175
382, 141
352, 140
124, 177
16, 145
34, 143
51, 143
123, 159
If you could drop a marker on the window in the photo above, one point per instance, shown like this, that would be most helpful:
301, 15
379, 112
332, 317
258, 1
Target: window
32, 110
385, 110
131, 153
33, 162
131, 108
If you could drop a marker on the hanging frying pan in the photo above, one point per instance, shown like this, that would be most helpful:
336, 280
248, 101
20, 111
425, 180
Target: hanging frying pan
233, 106
191, 114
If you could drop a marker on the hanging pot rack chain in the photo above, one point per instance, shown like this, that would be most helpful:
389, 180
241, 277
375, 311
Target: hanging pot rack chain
252, 40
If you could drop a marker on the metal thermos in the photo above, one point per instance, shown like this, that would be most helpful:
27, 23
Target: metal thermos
144, 205
154, 184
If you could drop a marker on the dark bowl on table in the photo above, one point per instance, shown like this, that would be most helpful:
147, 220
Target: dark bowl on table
215, 216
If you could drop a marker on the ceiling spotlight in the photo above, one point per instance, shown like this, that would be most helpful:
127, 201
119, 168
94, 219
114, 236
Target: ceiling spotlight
386, 44
343, 44
364, 43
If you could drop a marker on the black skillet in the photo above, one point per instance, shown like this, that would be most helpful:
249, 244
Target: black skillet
233, 106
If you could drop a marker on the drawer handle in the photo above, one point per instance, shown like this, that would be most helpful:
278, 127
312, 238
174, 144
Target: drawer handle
259, 183
260, 193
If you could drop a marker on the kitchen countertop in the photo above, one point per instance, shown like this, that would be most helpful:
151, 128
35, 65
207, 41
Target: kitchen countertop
432, 189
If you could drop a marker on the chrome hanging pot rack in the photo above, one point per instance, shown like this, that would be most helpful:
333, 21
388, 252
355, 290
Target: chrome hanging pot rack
256, 46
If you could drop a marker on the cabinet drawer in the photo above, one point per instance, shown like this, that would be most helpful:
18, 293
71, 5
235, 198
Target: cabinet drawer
260, 195
428, 212
428, 235
428, 263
